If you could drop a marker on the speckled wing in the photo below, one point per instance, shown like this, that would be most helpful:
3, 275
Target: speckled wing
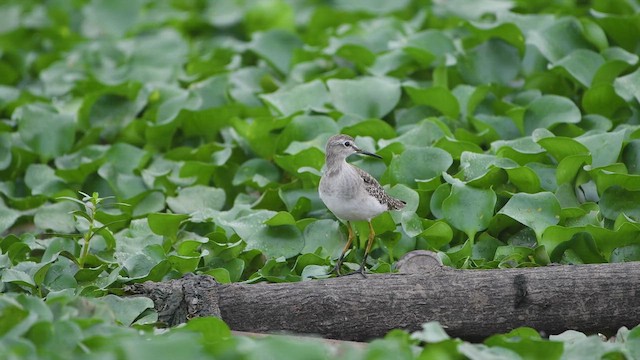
374, 188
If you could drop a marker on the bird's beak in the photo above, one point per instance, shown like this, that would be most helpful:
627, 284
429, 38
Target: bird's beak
362, 152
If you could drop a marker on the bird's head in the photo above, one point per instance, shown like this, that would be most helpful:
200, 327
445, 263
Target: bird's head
341, 146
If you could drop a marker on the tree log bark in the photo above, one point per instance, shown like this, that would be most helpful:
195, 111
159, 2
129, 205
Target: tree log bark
470, 304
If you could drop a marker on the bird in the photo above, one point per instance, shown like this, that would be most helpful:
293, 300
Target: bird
350, 193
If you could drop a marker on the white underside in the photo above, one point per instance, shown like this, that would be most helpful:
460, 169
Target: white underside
365, 208
347, 198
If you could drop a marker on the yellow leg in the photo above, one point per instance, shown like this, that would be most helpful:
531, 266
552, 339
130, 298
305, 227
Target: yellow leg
372, 234
336, 269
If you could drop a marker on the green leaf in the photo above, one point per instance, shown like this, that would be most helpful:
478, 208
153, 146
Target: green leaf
366, 97
45, 131
311, 96
627, 86
615, 201
281, 218
432, 332
43, 181
559, 39
126, 310
582, 65
374, 128
494, 61
276, 47
604, 148
437, 97
166, 224
8, 217
418, 164
469, 209
56, 217
324, 234
257, 173
270, 14
528, 347
110, 17
548, 111
197, 198
276, 241
536, 211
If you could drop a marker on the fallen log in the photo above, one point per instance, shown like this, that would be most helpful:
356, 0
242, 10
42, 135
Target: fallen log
470, 304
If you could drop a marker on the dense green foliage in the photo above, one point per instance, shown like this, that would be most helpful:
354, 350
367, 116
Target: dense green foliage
511, 128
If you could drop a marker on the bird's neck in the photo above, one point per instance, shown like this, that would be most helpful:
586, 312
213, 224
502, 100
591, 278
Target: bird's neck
334, 164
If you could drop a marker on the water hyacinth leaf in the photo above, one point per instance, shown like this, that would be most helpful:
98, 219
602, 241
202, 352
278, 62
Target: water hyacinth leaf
469, 209
373, 7
45, 131
524, 178
432, 332
276, 47
569, 167
324, 234
506, 31
438, 98
276, 241
166, 224
374, 128
559, 39
628, 86
437, 235
548, 111
583, 246
494, 61
366, 97
425, 133
602, 99
304, 128
582, 65
112, 18
152, 201
18, 277
304, 97
151, 263
561, 147
5, 151
212, 329
459, 254
8, 216
626, 254
604, 148
281, 218
270, 14
484, 168
56, 217
537, 211
257, 173
429, 45
418, 164
503, 126
526, 342
43, 181
311, 157
197, 198
616, 200
126, 310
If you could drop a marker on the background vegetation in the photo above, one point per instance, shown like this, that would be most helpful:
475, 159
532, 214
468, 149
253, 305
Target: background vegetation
195, 132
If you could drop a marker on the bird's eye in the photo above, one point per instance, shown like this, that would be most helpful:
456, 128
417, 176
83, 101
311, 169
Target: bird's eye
347, 143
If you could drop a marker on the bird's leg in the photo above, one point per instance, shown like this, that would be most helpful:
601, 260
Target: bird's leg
336, 269
372, 234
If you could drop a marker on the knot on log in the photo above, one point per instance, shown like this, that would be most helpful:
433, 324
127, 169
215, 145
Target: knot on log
419, 262
177, 301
